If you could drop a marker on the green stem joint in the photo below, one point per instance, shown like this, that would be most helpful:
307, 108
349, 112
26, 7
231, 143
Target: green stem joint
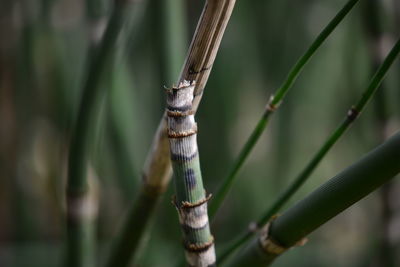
191, 199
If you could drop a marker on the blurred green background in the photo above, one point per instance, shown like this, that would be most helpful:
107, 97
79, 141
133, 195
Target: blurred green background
44, 48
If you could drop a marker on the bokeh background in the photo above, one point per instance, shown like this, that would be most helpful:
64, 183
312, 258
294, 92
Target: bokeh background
44, 48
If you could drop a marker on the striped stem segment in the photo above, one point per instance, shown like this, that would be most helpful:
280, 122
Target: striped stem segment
197, 67
351, 185
191, 200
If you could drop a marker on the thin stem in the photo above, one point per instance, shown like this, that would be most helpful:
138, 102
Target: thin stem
80, 207
332, 139
130, 238
174, 37
348, 187
274, 104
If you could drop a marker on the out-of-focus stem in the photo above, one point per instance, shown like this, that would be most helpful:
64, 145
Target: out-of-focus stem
81, 202
352, 115
348, 187
274, 104
375, 37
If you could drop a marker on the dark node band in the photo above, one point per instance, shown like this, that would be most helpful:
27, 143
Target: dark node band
197, 248
183, 158
188, 205
272, 107
172, 134
183, 109
176, 113
352, 114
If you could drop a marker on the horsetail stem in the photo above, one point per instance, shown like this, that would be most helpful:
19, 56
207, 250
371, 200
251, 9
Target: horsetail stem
349, 186
191, 200
157, 170
352, 114
273, 104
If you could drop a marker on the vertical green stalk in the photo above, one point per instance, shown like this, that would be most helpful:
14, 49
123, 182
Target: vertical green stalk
81, 206
273, 104
170, 24
354, 183
174, 37
191, 200
122, 155
24, 88
332, 139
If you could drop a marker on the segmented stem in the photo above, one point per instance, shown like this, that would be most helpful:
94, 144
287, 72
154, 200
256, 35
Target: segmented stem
273, 104
354, 183
191, 199
157, 170
352, 115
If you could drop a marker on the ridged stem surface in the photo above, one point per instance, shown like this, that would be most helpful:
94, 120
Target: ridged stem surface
191, 199
197, 66
354, 183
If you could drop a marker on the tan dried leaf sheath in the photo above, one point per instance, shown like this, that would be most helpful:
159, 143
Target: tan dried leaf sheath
191, 199
197, 67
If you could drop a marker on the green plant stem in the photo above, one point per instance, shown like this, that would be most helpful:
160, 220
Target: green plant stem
273, 104
174, 37
133, 233
123, 252
80, 203
351, 185
332, 139
191, 200
120, 114
197, 67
